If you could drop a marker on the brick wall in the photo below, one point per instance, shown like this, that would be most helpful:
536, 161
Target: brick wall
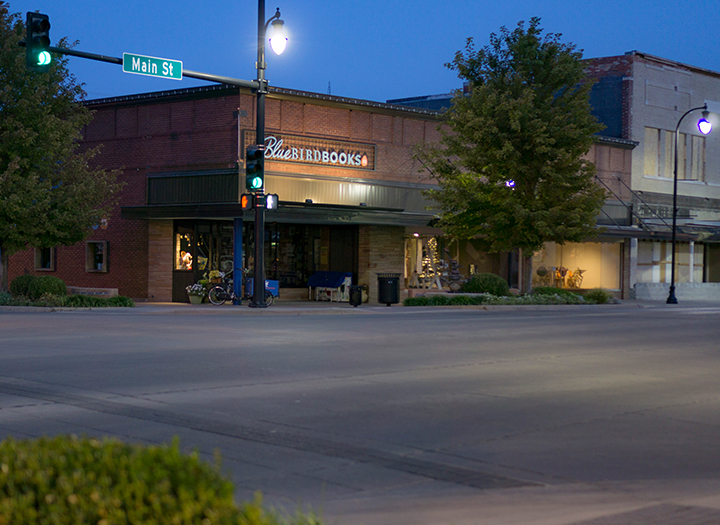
381, 249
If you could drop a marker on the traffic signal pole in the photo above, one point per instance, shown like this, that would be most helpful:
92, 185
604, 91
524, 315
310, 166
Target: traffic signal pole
258, 300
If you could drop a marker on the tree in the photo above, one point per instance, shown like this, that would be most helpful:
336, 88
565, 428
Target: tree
49, 193
509, 165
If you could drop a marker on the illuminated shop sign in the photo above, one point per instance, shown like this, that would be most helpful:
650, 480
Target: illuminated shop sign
320, 152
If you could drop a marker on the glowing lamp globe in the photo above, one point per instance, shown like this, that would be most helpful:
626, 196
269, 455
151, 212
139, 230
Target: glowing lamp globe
704, 124
278, 40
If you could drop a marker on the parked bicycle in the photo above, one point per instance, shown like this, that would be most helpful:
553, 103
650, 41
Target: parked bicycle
220, 293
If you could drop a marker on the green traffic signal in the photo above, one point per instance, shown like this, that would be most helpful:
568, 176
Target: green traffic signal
254, 168
37, 42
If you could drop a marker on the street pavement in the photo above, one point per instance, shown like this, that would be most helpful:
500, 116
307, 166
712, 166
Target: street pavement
376, 415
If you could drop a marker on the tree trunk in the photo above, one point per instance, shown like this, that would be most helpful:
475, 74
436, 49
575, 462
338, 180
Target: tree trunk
4, 260
526, 271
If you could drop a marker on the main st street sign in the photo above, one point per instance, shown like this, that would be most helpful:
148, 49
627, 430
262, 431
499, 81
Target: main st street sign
152, 66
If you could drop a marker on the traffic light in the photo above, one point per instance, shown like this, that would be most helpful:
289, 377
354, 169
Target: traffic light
246, 201
37, 42
271, 201
255, 168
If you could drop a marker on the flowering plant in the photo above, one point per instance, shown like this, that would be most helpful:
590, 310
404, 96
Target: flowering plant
216, 274
196, 289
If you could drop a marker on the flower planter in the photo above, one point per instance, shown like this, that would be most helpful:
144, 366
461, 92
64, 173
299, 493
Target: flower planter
195, 299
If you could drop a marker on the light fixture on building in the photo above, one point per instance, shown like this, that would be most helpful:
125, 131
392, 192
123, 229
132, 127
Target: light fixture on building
308, 201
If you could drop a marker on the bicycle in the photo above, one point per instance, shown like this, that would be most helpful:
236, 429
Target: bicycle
220, 293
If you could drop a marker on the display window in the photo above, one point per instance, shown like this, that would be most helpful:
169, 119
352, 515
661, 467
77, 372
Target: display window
578, 265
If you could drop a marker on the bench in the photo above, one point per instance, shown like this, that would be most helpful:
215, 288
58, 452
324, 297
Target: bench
330, 286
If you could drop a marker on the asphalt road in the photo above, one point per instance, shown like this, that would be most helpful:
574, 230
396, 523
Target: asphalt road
559, 415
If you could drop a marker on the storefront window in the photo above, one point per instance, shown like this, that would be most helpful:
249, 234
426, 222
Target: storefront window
184, 249
654, 262
578, 265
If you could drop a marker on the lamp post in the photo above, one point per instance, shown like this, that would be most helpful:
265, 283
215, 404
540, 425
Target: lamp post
705, 127
278, 45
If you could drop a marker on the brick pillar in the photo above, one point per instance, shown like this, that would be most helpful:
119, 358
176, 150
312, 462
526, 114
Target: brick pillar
160, 260
381, 249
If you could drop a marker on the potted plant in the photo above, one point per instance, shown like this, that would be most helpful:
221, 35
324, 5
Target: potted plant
196, 292
216, 276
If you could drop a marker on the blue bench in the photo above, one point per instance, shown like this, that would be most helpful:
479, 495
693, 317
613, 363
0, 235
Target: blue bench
330, 286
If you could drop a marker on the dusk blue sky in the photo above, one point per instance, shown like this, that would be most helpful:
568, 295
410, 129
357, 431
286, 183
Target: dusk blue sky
366, 49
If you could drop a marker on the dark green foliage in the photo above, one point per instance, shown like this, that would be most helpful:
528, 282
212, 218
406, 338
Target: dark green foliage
551, 290
51, 193
120, 300
459, 300
416, 301
91, 301
21, 284
66, 480
5, 298
69, 480
598, 296
46, 284
487, 283
526, 119
438, 300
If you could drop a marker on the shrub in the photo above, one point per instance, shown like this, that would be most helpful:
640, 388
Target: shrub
5, 298
551, 290
598, 296
459, 300
487, 283
21, 284
438, 300
46, 284
68, 480
120, 300
416, 301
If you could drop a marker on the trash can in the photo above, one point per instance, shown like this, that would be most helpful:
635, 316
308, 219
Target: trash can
388, 288
355, 296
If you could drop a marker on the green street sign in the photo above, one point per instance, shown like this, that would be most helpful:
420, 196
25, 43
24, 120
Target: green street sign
152, 66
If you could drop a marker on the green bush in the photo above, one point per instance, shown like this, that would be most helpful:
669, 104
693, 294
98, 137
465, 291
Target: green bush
551, 290
487, 283
438, 300
459, 300
416, 301
66, 480
92, 301
21, 284
120, 300
598, 296
46, 284
5, 298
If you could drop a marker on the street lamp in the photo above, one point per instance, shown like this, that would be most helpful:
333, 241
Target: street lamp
705, 127
277, 42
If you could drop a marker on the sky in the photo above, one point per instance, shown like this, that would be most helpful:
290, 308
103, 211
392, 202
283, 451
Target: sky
365, 49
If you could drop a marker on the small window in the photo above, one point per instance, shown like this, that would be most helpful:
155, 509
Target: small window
45, 259
96, 256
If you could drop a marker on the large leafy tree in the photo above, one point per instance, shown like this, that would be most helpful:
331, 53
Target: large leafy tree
49, 193
510, 164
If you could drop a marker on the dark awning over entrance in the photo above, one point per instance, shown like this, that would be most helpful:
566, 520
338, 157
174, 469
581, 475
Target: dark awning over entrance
297, 213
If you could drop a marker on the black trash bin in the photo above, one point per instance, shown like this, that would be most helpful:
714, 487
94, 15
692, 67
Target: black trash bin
355, 297
388, 288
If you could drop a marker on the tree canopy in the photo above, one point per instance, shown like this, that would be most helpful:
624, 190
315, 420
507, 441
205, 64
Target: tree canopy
49, 193
510, 164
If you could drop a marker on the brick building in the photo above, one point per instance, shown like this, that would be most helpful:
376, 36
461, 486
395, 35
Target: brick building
349, 188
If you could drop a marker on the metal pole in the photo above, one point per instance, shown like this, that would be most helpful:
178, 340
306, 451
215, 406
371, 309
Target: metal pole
258, 300
671, 297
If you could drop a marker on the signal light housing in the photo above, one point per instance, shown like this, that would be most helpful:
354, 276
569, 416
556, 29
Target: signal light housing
37, 42
255, 168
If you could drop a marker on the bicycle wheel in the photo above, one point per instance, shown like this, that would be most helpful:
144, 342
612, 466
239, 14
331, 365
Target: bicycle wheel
269, 298
217, 295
